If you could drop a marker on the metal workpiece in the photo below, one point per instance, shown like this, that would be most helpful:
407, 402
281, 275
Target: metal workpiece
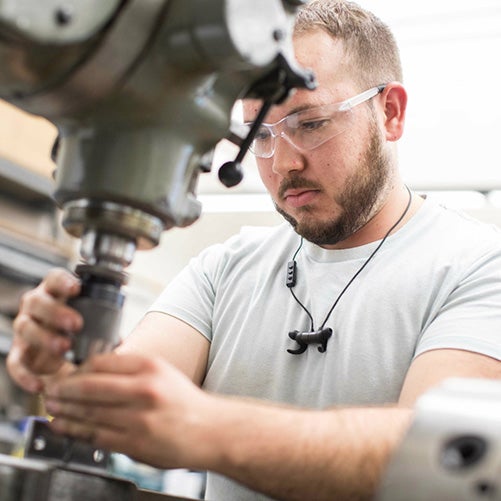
452, 451
37, 480
42, 443
58, 468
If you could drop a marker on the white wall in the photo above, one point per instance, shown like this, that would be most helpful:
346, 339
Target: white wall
451, 57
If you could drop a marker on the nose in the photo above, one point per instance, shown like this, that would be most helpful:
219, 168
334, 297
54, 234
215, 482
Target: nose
287, 158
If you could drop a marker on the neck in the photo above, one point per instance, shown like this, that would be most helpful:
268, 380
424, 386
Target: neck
384, 218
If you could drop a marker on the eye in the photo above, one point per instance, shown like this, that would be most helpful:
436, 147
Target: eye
262, 134
313, 125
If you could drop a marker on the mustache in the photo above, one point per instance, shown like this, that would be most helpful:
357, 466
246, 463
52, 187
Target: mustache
294, 183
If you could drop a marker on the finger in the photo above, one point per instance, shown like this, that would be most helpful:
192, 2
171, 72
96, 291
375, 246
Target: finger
100, 437
39, 362
61, 283
96, 388
23, 377
36, 361
39, 337
99, 415
39, 350
76, 428
47, 310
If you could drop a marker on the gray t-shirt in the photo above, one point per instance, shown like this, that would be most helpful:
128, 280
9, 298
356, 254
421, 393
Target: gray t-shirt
436, 283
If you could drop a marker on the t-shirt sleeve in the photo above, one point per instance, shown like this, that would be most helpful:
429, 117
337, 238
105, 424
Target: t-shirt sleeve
190, 295
470, 316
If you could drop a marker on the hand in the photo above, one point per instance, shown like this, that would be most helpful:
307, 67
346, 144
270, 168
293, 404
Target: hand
39, 346
133, 404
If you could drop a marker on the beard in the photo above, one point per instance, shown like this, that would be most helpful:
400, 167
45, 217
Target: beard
360, 199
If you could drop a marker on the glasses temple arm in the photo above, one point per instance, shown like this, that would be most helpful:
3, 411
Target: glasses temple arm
364, 96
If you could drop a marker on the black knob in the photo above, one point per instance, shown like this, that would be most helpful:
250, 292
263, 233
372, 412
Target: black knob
231, 173
296, 3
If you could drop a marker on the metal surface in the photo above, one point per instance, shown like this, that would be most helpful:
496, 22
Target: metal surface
42, 443
452, 451
48, 473
35, 480
83, 218
57, 21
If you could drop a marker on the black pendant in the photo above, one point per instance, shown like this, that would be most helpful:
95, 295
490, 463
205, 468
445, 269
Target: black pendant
303, 339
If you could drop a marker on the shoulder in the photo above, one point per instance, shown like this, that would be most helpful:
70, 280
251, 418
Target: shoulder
252, 243
454, 244
456, 227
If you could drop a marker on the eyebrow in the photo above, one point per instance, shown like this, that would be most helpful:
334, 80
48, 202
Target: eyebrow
297, 109
304, 107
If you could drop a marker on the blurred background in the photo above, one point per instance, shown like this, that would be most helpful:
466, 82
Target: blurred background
450, 151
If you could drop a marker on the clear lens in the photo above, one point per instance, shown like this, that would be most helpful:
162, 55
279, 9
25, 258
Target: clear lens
305, 130
310, 128
263, 145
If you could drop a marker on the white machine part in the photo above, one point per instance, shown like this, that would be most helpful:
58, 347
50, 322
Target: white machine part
452, 451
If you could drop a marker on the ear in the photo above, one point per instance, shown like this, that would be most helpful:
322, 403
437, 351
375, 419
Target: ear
395, 103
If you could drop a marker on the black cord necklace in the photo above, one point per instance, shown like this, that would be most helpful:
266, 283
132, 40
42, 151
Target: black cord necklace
323, 334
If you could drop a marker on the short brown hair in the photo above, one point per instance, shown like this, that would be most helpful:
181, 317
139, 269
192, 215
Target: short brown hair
368, 41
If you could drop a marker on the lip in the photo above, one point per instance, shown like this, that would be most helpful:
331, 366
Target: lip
300, 197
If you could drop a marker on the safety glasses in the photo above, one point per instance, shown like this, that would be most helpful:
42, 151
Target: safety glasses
310, 128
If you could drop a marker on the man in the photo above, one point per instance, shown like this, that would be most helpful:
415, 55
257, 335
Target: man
395, 292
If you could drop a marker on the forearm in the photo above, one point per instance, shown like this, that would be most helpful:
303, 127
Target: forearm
296, 455
176, 342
